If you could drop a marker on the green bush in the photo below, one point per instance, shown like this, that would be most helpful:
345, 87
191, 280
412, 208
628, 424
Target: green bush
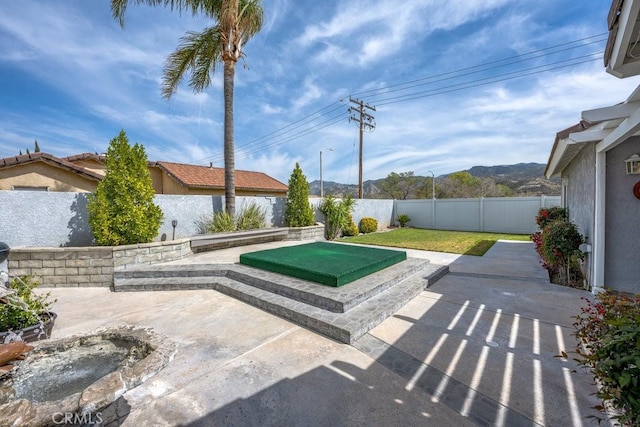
560, 240
122, 210
368, 225
558, 246
298, 211
221, 222
403, 219
251, 217
24, 307
608, 333
351, 229
560, 243
548, 215
337, 214
203, 223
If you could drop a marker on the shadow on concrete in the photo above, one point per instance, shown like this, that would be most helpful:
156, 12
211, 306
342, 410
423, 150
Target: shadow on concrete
277, 211
80, 233
473, 349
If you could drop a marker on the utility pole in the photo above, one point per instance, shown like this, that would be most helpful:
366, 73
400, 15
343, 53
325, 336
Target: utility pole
365, 120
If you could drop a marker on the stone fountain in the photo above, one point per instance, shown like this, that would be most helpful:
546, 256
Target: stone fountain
80, 374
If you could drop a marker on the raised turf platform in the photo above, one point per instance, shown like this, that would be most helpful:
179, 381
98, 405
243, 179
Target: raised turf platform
330, 264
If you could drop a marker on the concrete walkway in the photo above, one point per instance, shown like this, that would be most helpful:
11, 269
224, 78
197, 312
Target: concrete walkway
476, 348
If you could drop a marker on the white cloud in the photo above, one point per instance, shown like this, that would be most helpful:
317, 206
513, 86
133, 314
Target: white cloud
77, 78
309, 93
372, 31
270, 109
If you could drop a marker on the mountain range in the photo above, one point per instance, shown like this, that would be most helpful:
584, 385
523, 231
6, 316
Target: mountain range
525, 179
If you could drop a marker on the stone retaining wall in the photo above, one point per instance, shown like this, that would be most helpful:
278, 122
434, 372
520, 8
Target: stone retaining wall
93, 266
90, 266
306, 233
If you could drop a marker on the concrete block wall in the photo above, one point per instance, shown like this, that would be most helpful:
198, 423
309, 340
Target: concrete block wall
150, 253
64, 267
90, 267
306, 233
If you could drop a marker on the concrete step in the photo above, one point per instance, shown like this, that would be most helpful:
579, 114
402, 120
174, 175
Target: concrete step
344, 326
329, 298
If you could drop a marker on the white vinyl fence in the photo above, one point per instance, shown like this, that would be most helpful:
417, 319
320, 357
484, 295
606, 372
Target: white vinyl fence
500, 215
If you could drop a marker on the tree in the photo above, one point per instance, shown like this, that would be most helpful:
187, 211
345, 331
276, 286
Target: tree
36, 147
235, 22
426, 189
401, 186
122, 210
460, 185
298, 212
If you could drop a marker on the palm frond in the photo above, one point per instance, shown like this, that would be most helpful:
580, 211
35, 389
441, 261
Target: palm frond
119, 7
250, 19
208, 8
196, 52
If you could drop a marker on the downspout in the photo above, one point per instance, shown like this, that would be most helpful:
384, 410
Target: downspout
599, 219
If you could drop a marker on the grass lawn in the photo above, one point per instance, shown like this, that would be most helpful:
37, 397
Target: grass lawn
456, 242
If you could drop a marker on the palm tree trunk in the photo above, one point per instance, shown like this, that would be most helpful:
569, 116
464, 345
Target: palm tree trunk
229, 148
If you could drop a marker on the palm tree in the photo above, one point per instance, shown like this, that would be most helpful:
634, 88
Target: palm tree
235, 22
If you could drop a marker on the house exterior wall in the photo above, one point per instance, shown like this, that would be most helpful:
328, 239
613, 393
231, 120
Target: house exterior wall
171, 186
156, 179
40, 174
579, 198
622, 221
92, 165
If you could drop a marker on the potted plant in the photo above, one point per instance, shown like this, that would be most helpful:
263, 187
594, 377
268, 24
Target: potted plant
23, 312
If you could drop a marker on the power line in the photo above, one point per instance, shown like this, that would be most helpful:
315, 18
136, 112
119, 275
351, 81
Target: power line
452, 74
307, 124
491, 79
447, 90
329, 122
290, 127
486, 64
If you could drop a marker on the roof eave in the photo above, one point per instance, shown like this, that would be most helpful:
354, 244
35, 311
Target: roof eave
623, 18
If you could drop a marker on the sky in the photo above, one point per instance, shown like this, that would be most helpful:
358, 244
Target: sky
454, 84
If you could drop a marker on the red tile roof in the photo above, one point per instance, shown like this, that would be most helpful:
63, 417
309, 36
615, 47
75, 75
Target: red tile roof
210, 177
83, 156
188, 175
49, 159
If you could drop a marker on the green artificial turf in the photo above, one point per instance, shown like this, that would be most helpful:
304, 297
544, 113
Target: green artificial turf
330, 264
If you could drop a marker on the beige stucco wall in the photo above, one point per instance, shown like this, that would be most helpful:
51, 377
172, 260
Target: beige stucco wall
92, 165
43, 175
156, 179
171, 186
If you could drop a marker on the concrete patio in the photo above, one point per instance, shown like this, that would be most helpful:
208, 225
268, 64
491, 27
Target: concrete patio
477, 348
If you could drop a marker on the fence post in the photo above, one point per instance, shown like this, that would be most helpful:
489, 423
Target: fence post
433, 214
481, 213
